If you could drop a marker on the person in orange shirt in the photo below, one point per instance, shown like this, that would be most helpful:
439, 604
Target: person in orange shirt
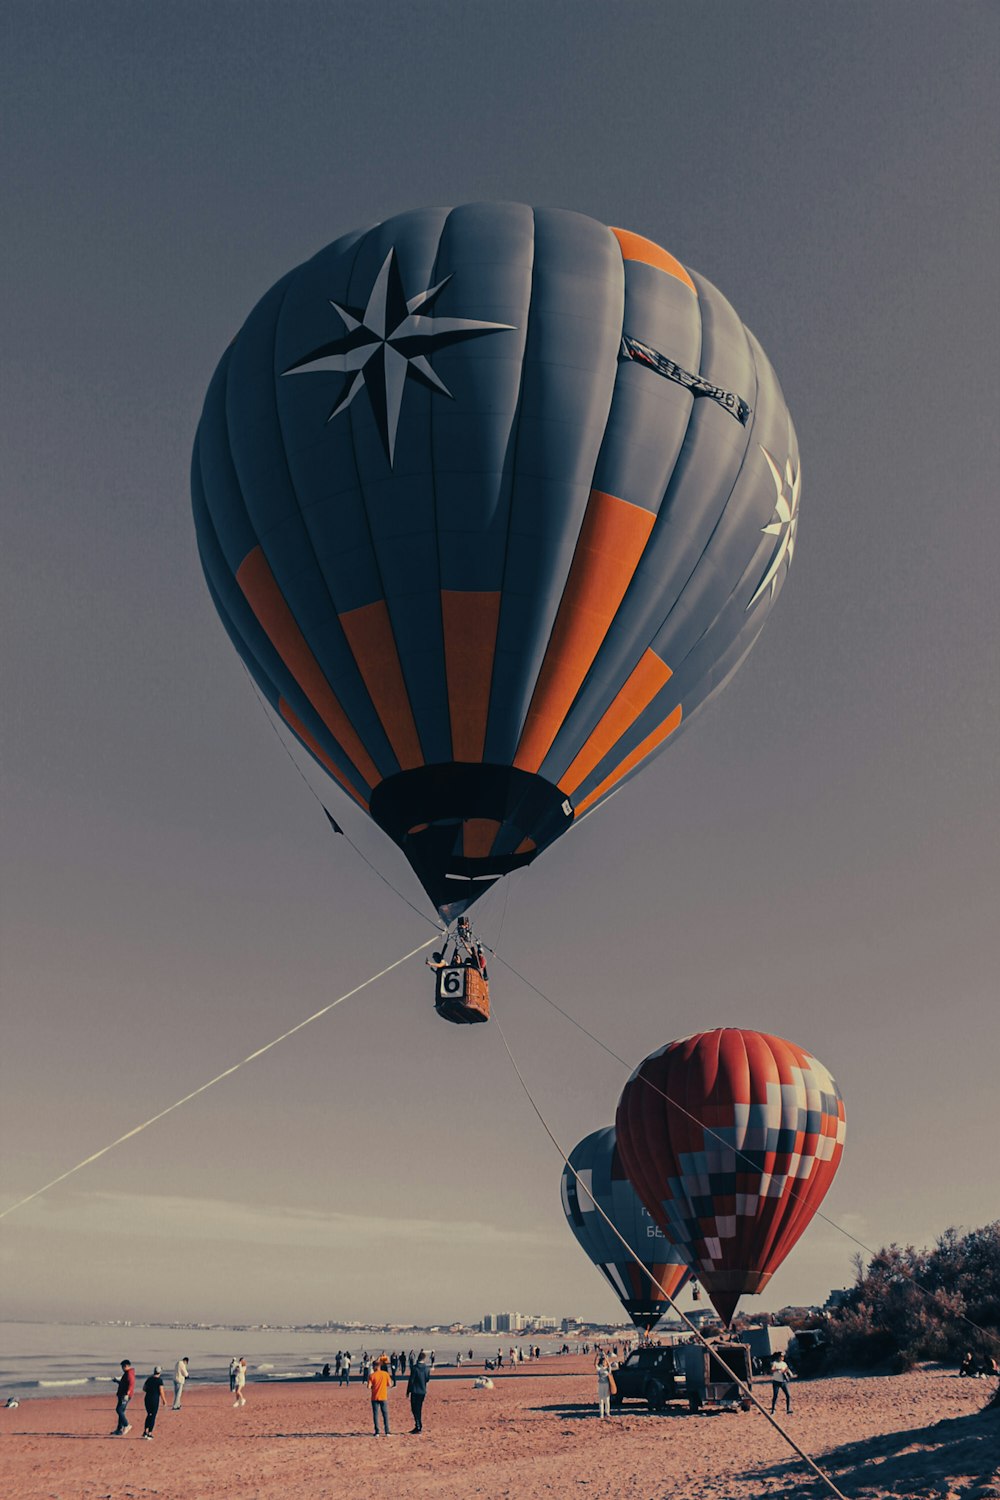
379, 1382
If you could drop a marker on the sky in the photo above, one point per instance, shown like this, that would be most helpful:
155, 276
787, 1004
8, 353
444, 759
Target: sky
817, 858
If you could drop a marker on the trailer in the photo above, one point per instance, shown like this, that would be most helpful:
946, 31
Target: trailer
767, 1343
709, 1381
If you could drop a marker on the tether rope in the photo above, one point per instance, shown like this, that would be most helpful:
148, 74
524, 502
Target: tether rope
713, 1350
945, 1312
227, 1073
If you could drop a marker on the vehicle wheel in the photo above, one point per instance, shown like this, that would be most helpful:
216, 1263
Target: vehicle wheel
694, 1402
655, 1395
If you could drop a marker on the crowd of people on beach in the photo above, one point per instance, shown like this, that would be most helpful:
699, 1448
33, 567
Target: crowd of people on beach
379, 1373
399, 1365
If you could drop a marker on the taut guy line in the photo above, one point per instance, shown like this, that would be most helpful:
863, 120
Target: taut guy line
228, 1072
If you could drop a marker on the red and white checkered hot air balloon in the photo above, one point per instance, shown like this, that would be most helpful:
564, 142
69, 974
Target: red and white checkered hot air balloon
731, 1138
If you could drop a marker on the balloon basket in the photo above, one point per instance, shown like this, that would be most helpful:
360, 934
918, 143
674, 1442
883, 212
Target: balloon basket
462, 996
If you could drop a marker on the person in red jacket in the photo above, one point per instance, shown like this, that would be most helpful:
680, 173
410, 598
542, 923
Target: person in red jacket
126, 1385
378, 1383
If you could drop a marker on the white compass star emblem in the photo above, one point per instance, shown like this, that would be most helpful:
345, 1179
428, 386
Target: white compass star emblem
783, 523
385, 342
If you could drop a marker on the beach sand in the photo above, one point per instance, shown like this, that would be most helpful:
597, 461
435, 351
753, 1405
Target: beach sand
535, 1436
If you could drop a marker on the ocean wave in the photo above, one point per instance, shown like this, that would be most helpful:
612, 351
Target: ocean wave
80, 1380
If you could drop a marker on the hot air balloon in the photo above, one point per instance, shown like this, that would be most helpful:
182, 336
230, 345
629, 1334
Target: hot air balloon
491, 500
731, 1139
597, 1162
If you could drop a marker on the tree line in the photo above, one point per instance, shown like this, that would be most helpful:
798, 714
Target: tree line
908, 1305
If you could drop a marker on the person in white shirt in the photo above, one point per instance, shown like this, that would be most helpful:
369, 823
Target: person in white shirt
180, 1375
605, 1387
780, 1376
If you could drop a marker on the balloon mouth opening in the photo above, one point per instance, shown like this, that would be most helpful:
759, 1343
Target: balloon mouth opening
646, 1318
463, 826
725, 1288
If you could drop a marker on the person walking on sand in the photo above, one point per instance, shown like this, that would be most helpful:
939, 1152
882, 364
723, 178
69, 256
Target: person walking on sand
780, 1376
180, 1375
240, 1381
153, 1396
416, 1389
378, 1384
345, 1368
123, 1395
606, 1387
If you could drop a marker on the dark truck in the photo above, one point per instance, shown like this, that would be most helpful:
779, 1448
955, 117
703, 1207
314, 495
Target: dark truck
649, 1374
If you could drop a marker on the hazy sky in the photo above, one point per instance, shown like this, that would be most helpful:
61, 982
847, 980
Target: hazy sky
817, 858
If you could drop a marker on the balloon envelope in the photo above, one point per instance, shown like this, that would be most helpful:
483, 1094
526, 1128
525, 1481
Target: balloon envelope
490, 501
731, 1139
597, 1162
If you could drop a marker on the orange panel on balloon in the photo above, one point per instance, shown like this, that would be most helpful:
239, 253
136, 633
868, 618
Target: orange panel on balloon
370, 637
478, 837
262, 593
469, 621
637, 247
632, 700
297, 727
611, 542
640, 752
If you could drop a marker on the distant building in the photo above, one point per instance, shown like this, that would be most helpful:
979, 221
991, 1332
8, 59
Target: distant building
515, 1322
702, 1315
795, 1315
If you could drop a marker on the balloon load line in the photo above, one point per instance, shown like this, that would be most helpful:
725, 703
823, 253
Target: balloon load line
714, 1135
265, 709
226, 1073
661, 1292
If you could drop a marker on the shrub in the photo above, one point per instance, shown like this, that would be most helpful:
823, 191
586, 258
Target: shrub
907, 1305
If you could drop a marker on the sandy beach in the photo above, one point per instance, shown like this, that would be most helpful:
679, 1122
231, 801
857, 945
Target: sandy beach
535, 1436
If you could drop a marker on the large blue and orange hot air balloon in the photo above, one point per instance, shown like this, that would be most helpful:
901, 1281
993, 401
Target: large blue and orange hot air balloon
731, 1139
490, 500
594, 1184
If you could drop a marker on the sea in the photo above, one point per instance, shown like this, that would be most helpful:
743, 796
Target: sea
79, 1359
